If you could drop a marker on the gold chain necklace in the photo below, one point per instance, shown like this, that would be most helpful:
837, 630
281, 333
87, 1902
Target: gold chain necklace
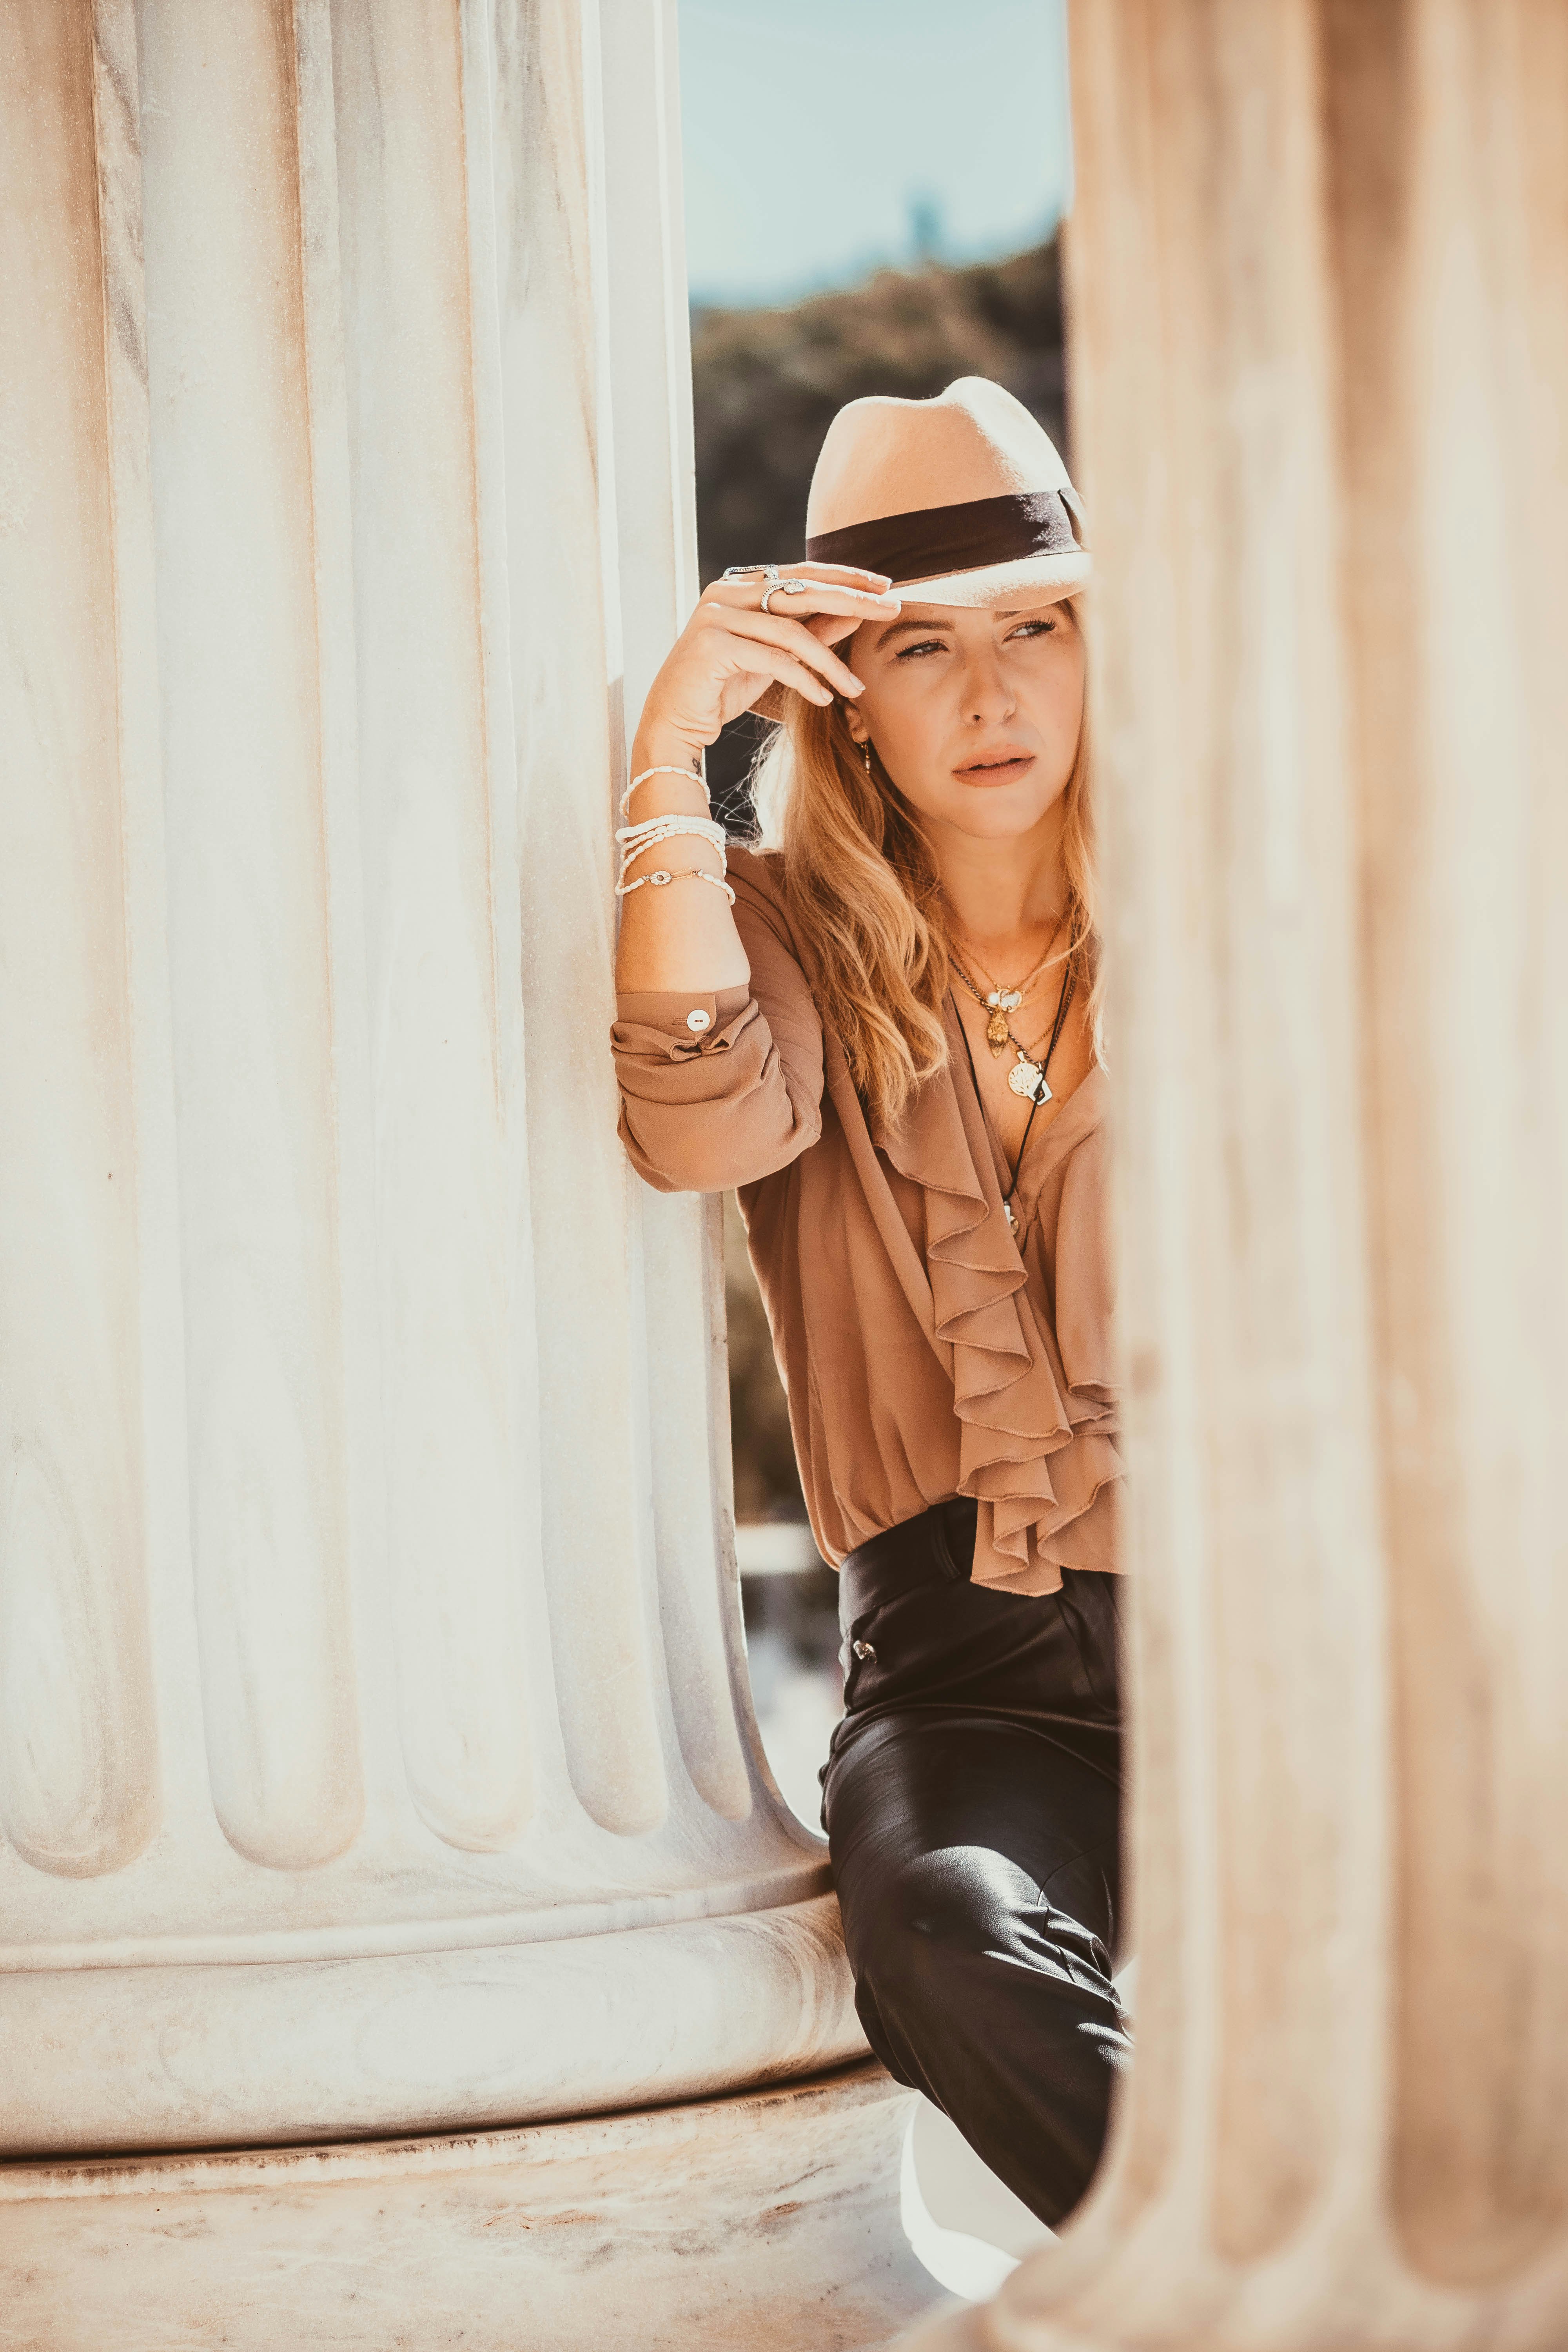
1027, 1076
1036, 1085
1003, 1001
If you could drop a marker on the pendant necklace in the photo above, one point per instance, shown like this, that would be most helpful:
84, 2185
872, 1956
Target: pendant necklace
1027, 1075
1033, 1074
1001, 1000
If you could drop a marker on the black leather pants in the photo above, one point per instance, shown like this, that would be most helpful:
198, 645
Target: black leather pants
971, 1801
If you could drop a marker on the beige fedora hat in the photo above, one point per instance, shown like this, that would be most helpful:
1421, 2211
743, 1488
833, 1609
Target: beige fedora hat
960, 499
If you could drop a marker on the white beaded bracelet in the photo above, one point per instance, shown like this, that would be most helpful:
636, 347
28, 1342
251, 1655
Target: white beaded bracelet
691, 775
636, 837
653, 831
687, 874
636, 840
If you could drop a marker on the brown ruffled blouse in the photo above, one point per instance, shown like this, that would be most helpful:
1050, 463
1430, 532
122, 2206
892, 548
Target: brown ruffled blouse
925, 1353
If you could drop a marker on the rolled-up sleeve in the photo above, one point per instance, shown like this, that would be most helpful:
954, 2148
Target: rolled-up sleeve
722, 1090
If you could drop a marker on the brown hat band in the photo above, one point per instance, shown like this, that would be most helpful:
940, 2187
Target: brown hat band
934, 540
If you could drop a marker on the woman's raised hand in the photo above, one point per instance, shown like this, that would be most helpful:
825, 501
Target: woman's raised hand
730, 651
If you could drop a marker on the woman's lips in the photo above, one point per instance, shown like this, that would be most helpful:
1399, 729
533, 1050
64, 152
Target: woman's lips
998, 771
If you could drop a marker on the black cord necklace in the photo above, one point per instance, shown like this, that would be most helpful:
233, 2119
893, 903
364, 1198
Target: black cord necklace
1041, 1092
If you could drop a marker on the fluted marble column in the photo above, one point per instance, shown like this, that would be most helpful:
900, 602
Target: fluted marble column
1321, 343
375, 1753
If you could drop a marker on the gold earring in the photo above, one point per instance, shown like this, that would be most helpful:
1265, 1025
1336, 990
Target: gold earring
866, 755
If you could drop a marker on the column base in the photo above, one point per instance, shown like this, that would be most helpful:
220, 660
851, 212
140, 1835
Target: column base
763, 2217
247, 2048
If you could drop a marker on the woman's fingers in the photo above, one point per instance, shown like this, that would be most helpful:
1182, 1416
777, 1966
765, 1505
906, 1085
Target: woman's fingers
729, 647
771, 661
832, 628
816, 596
795, 637
845, 575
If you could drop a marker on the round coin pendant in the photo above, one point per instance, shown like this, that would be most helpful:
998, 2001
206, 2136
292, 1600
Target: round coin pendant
1028, 1079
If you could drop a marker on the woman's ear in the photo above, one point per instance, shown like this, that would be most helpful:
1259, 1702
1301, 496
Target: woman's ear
856, 725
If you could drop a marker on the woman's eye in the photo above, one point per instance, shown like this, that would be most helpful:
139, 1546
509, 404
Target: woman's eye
926, 645
1034, 629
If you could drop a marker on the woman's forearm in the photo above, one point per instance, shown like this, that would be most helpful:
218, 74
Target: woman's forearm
681, 936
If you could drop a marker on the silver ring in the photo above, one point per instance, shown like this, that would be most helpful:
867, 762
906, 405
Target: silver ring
784, 588
749, 572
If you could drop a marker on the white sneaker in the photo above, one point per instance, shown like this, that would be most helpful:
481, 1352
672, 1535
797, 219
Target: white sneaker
965, 2227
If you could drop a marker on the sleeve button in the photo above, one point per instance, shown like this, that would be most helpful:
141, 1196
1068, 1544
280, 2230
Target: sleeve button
698, 1019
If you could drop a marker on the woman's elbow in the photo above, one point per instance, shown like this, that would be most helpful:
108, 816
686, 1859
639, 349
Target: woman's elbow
684, 1156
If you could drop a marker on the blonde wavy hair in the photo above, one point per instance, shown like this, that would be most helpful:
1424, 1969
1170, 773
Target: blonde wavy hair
866, 905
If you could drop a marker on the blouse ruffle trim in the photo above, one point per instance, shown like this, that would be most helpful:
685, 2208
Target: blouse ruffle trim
1034, 1451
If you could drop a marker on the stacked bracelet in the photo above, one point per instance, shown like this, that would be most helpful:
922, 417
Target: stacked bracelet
637, 839
687, 874
689, 776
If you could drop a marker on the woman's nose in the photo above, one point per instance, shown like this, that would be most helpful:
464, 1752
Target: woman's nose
988, 694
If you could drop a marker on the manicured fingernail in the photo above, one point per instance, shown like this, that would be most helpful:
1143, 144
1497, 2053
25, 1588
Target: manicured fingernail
855, 686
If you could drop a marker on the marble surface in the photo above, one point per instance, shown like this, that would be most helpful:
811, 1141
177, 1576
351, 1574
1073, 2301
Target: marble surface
376, 1748
761, 2219
1332, 563
130, 2057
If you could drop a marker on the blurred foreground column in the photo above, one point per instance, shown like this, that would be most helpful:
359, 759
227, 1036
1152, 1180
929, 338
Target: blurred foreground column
375, 1753
1320, 328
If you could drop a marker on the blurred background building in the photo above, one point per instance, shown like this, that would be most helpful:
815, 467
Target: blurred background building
841, 241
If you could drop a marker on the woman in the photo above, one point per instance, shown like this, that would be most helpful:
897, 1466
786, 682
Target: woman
881, 1028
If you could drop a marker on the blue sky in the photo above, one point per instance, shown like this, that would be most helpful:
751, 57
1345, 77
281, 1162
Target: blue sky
816, 134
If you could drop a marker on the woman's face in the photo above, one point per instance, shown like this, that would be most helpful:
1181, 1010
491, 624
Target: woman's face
975, 715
